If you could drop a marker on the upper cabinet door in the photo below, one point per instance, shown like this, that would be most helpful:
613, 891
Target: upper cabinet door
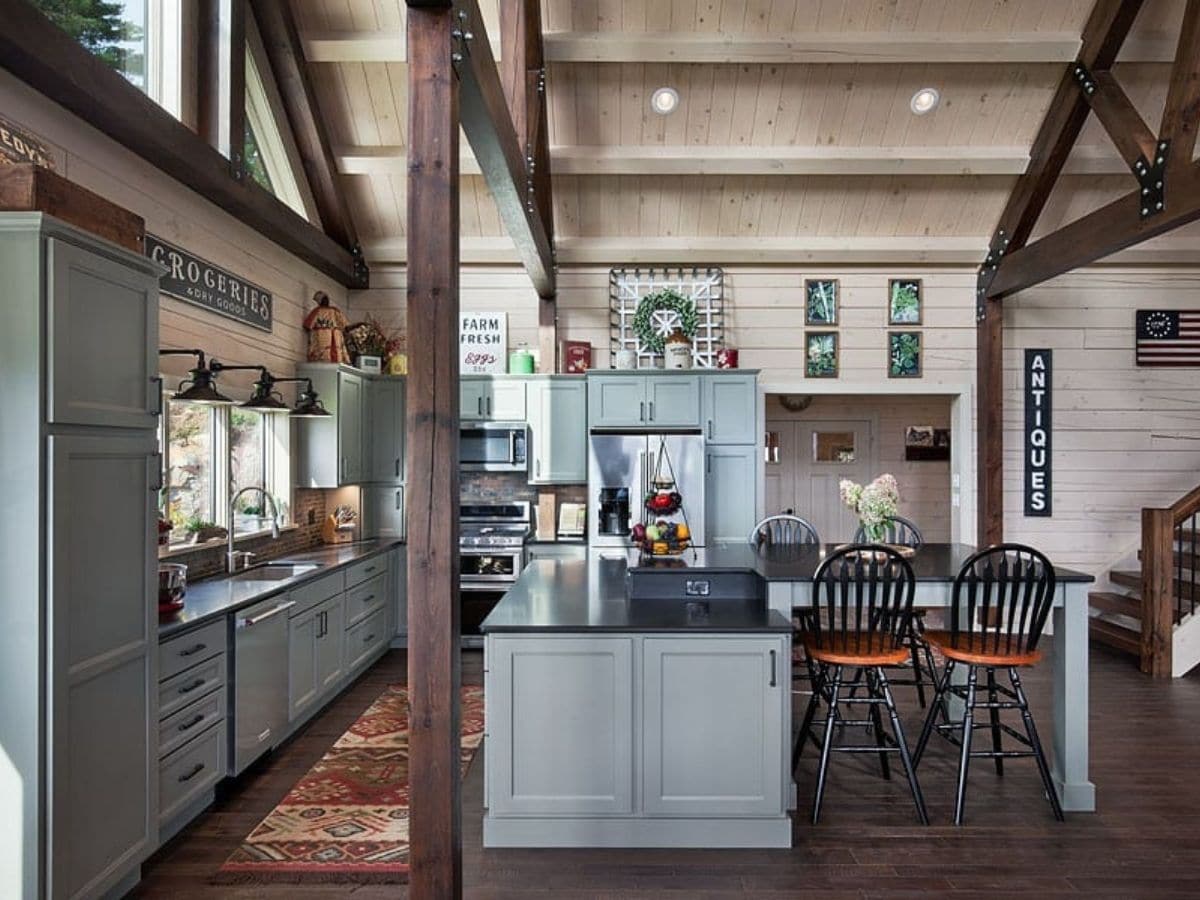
504, 401
615, 401
351, 405
730, 409
471, 392
386, 433
673, 401
102, 340
558, 421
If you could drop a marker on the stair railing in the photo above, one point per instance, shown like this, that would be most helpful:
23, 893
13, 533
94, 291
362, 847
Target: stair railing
1169, 577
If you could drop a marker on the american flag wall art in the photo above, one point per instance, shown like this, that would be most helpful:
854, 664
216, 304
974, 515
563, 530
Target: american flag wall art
1168, 337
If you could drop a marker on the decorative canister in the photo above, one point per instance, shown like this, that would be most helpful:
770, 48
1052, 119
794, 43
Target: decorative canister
520, 362
677, 350
626, 359
727, 358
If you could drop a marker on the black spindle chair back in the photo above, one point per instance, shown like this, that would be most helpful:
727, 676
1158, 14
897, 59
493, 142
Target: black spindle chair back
862, 598
897, 530
1001, 599
783, 530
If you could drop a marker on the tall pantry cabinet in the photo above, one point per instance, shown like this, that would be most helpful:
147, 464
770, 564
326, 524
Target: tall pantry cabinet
79, 475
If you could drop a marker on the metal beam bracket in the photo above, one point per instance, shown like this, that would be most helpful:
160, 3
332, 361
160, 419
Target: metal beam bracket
1083, 78
1151, 175
987, 271
462, 38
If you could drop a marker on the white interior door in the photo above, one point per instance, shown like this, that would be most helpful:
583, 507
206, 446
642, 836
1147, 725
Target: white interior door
813, 457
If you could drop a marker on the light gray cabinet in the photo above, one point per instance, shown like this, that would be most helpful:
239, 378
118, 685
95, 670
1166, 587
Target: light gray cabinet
385, 429
730, 486
78, 646
315, 658
713, 726
331, 660
332, 450
484, 398
650, 401
730, 409
560, 725
350, 426
383, 510
558, 426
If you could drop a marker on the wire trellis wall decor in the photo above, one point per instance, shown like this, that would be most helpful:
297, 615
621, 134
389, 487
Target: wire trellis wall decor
703, 286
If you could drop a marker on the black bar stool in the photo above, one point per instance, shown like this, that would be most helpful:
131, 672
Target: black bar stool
861, 612
999, 605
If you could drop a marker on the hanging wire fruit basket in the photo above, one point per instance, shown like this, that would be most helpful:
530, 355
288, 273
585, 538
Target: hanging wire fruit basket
662, 536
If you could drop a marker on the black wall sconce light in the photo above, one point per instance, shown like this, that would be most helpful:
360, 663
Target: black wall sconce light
201, 384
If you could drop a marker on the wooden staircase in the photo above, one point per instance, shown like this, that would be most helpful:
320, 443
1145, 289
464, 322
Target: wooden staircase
1161, 598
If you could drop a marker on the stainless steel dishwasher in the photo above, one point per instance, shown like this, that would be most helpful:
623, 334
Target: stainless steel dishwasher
260, 680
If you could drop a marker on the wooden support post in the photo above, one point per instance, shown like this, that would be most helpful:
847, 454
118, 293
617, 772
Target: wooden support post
433, 608
1158, 591
989, 356
1181, 116
221, 76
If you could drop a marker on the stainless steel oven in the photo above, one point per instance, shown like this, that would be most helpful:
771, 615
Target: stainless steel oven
493, 446
491, 554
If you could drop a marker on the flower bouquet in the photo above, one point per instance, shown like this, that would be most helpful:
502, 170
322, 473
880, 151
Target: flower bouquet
874, 504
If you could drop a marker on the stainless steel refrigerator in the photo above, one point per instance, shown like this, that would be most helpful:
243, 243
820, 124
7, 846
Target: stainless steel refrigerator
623, 465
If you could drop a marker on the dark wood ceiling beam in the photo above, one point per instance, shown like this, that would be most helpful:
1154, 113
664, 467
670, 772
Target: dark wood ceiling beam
488, 125
1099, 234
49, 61
221, 78
1124, 124
1181, 116
282, 43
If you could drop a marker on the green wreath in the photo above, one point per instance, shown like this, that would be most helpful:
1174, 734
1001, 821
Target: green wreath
667, 299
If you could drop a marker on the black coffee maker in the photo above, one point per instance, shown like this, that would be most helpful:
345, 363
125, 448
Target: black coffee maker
614, 511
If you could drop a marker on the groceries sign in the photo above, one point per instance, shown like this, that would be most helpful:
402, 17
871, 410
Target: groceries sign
19, 145
200, 282
1038, 432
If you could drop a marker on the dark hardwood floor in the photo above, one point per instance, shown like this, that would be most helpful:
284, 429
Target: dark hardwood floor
1140, 843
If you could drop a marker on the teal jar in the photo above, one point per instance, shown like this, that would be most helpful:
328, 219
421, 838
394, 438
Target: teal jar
520, 362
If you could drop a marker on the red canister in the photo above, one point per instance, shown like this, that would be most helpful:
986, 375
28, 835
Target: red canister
727, 358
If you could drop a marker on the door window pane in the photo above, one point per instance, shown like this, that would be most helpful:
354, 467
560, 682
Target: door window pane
115, 31
833, 446
246, 469
190, 467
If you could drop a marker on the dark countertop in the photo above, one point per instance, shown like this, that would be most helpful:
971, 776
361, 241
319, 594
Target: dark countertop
215, 597
930, 562
578, 595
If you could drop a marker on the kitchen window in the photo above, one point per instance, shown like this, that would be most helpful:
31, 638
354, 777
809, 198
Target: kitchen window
209, 454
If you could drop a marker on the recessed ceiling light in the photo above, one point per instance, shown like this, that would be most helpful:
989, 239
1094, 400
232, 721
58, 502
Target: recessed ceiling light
664, 100
925, 100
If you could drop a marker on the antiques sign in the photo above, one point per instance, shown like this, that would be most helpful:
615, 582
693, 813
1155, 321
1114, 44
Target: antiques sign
482, 341
20, 146
196, 281
1037, 432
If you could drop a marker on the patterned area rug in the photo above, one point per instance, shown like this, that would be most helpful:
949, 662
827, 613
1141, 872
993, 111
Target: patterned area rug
347, 818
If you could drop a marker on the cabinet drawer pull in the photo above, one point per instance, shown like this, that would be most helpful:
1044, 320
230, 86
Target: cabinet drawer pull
368, 638
368, 598
651, 410
774, 680
397, 467
642, 411
192, 723
195, 685
397, 499
368, 570
196, 770
158, 394
192, 651
710, 429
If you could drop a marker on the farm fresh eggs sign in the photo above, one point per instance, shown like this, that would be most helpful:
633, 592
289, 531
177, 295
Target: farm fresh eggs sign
482, 341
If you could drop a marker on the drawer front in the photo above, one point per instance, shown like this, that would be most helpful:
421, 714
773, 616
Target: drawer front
190, 685
180, 727
189, 649
190, 771
363, 600
357, 573
365, 638
317, 591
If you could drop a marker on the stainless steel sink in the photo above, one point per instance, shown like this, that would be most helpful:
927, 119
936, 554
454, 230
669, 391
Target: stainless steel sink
275, 571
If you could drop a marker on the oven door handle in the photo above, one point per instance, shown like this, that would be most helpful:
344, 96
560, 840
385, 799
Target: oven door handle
469, 586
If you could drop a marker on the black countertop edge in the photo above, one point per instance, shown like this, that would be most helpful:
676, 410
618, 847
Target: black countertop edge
667, 623
212, 598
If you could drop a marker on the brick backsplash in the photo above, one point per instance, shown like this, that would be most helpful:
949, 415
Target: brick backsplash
308, 506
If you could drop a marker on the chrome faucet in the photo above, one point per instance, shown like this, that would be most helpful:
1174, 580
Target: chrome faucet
231, 555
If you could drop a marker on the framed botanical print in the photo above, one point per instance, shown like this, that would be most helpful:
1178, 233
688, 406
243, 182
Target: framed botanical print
821, 354
904, 354
821, 301
904, 301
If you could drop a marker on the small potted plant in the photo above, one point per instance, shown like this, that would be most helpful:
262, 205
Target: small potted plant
201, 530
874, 504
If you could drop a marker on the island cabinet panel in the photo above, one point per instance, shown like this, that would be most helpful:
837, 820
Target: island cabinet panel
615, 401
729, 491
730, 409
560, 726
558, 423
673, 401
713, 742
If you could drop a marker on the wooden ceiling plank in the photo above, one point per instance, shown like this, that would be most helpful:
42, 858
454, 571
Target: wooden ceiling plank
1181, 116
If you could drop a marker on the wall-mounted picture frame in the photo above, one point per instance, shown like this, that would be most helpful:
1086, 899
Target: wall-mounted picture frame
821, 301
905, 301
821, 354
905, 354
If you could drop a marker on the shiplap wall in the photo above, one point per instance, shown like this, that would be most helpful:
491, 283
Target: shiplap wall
183, 217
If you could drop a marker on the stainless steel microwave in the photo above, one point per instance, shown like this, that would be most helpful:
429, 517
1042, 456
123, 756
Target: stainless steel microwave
494, 447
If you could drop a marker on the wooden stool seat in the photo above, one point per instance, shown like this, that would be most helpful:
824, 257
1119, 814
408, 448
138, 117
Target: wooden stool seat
980, 650
850, 651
